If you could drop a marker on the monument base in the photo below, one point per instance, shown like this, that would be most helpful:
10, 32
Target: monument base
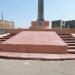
35, 42
39, 25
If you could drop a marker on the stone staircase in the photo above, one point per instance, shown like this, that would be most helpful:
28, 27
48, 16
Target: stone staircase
5, 37
70, 41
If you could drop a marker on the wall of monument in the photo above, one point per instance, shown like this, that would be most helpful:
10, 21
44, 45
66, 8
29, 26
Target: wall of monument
56, 30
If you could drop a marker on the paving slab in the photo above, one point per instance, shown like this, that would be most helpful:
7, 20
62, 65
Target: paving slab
33, 67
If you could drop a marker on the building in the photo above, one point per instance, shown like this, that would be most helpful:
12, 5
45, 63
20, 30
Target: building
58, 24
6, 24
70, 24
63, 24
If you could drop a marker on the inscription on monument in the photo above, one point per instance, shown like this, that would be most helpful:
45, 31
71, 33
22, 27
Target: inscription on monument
39, 23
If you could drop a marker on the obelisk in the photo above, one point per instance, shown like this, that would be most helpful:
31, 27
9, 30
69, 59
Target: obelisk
40, 23
40, 10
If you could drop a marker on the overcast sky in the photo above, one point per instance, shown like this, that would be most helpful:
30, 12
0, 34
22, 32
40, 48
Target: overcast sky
22, 12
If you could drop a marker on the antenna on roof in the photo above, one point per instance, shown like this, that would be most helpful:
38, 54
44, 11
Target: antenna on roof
2, 16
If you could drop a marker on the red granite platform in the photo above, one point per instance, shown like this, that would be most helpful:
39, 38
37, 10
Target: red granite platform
35, 56
35, 42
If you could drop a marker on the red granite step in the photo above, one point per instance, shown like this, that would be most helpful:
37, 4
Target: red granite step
1, 41
71, 44
36, 56
63, 36
10, 35
72, 51
71, 47
69, 41
4, 38
69, 38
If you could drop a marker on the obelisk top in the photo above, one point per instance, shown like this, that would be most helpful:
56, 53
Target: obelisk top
40, 10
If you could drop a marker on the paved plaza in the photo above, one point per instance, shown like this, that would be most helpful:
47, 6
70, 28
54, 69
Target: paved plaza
36, 67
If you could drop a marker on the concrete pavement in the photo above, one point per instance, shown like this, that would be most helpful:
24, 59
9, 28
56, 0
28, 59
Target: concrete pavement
36, 67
